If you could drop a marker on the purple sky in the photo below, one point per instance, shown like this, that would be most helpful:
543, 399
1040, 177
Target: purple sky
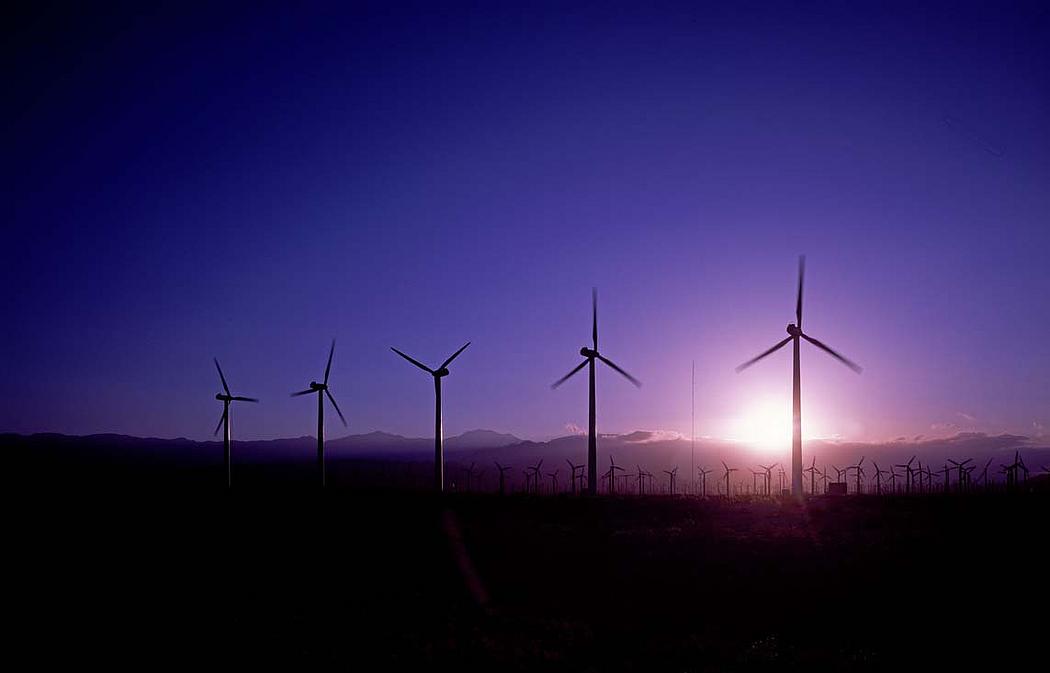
249, 184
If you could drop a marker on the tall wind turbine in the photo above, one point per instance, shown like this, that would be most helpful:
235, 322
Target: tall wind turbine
439, 442
322, 389
589, 356
795, 335
226, 397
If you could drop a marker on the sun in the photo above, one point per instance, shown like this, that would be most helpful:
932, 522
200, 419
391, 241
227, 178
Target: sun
764, 425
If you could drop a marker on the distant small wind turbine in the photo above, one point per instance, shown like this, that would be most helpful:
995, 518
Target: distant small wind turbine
909, 474
878, 478
672, 475
768, 478
795, 334
611, 475
703, 480
322, 389
728, 470
590, 355
959, 470
536, 476
226, 397
502, 478
859, 472
812, 469
574, 479
438, 374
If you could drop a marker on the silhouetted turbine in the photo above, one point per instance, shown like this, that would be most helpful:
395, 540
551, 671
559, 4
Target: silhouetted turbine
703, 480
226, 397
590, 355
795, 335
438, 374
502, 478
322, 390
728, 470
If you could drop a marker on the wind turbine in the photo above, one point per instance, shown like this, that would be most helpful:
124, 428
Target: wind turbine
589, 356
859, 471
226, 397
728, 471
611, 475
438, 374
703, 480
909, 471
960, 467
812, 469
554, 481
672, 475
769, 477
795, 335
502, 478
322, 389
536, 476
640, 474
573, 468
878, 478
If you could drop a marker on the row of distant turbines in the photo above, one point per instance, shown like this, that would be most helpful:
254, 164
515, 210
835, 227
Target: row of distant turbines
591, 356
910, 478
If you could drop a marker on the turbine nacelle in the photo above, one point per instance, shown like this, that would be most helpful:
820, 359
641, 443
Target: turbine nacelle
793, 330
588, 353
441, 373
314, 385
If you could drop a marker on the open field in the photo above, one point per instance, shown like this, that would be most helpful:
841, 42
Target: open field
521, 583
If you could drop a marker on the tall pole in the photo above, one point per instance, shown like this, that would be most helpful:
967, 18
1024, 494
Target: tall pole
796, 436
439, 458
692, 429
226, 438
592, 436
320, 435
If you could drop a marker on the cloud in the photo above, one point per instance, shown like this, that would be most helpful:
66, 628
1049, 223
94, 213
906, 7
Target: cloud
643, 437
574, 429
965, 416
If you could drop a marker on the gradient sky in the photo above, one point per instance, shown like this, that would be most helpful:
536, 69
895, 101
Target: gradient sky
250, 182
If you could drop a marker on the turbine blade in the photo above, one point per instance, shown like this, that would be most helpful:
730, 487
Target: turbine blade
844, 360
801, 278
617, 368
569, 375
413, 361
337, 410
245, 399
328, 367
304, 392
224, 386
452, 357
764, 354
219, 426
594, 316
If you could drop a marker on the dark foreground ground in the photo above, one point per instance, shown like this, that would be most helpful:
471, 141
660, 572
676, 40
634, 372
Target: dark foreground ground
361, 581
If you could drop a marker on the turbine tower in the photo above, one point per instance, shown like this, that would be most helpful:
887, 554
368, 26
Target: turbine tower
438, 374
795, 335
322, 389
589, 356
226, 397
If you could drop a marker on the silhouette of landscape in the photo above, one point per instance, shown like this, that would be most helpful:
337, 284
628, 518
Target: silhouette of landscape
235, 234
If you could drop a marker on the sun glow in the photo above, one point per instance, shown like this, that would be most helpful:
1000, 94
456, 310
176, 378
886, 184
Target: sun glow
765, 425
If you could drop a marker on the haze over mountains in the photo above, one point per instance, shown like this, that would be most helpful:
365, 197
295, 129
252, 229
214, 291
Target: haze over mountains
653, 450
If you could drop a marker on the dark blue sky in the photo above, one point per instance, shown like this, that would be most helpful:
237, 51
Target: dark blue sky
249, 182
